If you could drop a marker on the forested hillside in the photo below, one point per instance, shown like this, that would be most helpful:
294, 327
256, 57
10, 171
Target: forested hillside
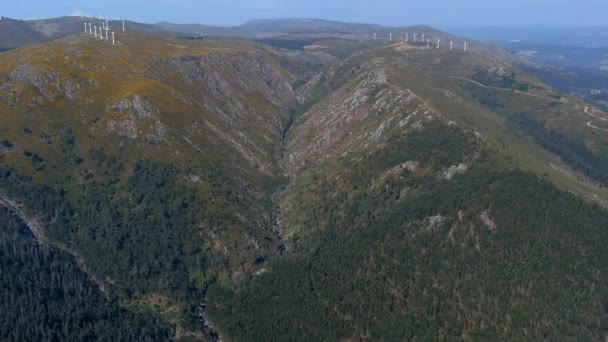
407, 224
202, 189
47, 297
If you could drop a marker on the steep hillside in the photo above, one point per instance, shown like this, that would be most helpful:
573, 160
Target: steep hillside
153, 162
417, 209
46, 297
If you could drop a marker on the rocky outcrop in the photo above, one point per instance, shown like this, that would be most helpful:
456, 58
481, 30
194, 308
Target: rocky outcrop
134, 117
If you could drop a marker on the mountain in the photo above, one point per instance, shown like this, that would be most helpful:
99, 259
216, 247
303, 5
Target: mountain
197, 189
301, 28
272, 27
17, 33
14, 33
421, 206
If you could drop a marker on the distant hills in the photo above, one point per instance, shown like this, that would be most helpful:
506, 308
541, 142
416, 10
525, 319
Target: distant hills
14, 33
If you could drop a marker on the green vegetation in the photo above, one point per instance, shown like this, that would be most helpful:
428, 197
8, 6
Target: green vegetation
388, 272
501, 79
407, 215
46, 297
573, 152
150, 236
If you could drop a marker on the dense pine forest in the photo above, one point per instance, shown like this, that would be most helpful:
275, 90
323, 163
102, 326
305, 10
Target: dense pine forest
427, 269
46, 297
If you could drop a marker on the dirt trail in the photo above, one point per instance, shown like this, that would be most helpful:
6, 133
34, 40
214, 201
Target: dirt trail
32, 224
506, 89
595, 127
590, 123
35, 228
593, 115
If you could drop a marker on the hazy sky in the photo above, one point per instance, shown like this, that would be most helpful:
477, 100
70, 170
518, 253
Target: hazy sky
442, 13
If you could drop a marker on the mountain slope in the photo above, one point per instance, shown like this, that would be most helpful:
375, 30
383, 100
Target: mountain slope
46, 296
259, 193
152, 160
410, 217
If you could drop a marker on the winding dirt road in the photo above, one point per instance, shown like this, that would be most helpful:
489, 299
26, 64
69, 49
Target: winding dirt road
506, 89
590, 123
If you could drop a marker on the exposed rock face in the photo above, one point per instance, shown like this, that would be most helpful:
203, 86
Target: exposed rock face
134, 117
246, 97
357, 116
455, 170
487, 220
47, 84
142, 108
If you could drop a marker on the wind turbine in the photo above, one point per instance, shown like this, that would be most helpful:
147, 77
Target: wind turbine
415, 34
407, 38
374, 33
85, 27
95, 31
123, 27
465, 46
390, 37
113, 42
90, 29
428, 43
438, 41
451, 45
423, 37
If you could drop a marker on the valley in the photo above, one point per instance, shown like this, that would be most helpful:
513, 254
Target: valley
310, 187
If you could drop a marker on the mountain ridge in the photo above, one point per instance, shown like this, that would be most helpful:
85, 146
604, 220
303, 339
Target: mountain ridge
181, 169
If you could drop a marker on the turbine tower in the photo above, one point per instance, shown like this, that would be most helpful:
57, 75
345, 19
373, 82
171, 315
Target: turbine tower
451, 45
113, 42
415, 34
465, 46
428, 43
390, 37
407, 38
123, 26
95, 31
438, 41
423, 37
85, 28
374, 33
90, 29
